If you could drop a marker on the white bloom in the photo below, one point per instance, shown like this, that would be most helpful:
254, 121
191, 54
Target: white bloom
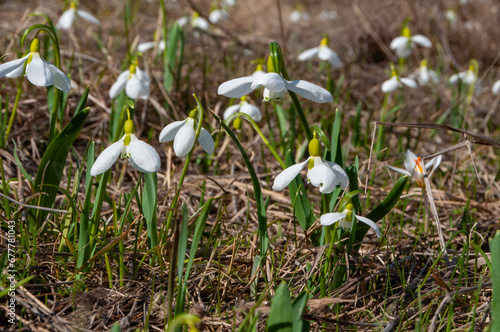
415, 167
69, 16
397, 82
135, 81
275, 87
468, 77
328, 15
183, 133
142, 156
323, 52
196, 21
404, 44
496, 87
451, 16
244, 107
143, 47
298, 15
344, 219
218, 15
38, 71
424, 75
229, 3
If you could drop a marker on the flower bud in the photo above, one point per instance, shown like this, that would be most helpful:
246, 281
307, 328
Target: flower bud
237, 124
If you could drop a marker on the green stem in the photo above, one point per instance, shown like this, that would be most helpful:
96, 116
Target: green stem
380, 134
257, 129
13, 114
302, 116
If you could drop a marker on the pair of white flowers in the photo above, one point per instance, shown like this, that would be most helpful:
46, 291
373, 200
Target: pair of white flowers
327, 176
143, 156
36, 69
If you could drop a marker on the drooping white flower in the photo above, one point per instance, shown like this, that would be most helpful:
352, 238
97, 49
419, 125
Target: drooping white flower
196, 21
146, 46
298, 15
69, 16
403, 44
38, 71
183, 133
274, 88
321, 173
344, 219
397, 82
496, 87
424, 75
229, 3
328, 15
135, 81
218, 15
415, 167
244, 107
467, 77
142, 156
451, 16
323, 52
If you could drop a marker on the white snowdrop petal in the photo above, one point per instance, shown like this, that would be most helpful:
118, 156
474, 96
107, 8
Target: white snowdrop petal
408, 82
496, 88
341, 176
66, 19
434, 163
331, 218
231, 110
410, 161
184, 139
369, 223
399, 42
327, 54
18, 72
258, 74
399, 170
9, 67
182, 21
61, 81
37, 72
133, 87
237, 87
422, 41
287, 175
200, 23
143, 47
143, 76
308, 54
454, 78
206, 141
252, 111
168, 133
390, 85
119, 85
271, 81
107, 158
144, 157
323, 177
309, 91
87, 16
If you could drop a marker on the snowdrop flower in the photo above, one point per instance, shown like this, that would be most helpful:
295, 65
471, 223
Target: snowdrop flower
424, 75
274, 88
323, 52
404, 44
135, 81
468, 77
451, 16
146, 46
397, 82
298, 15
196, 21
244, 107
344, 219
183, 133
69, 16
229, 3
328, 15
142, 156
415, 167
218, 15
38, 71
496, 87
321, 173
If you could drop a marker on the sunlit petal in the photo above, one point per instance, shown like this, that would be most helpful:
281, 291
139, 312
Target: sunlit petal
390, 85
409, 82
168, 133
107, 158
323, 177
184, 139
342, 178
399, 170
144, 157
37, 72
231, 110
331, 218
206, 141
66, 19
327, 54
286, 176
270, 81
369, 223
61, 81
119, 85
251, 110
87, 16
399, 42
422, 41
496, 87
237, 87
308, 54
9, 67
309, 91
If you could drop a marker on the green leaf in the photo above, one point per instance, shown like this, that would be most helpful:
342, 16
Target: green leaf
149, 207
53, 161
495, 279
175, 42
298, 306
281, 316
301, 205
322, 136
336, 152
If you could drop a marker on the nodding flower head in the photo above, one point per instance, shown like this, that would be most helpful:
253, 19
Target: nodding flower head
323, 52
404, 44
397, 81
69, 16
